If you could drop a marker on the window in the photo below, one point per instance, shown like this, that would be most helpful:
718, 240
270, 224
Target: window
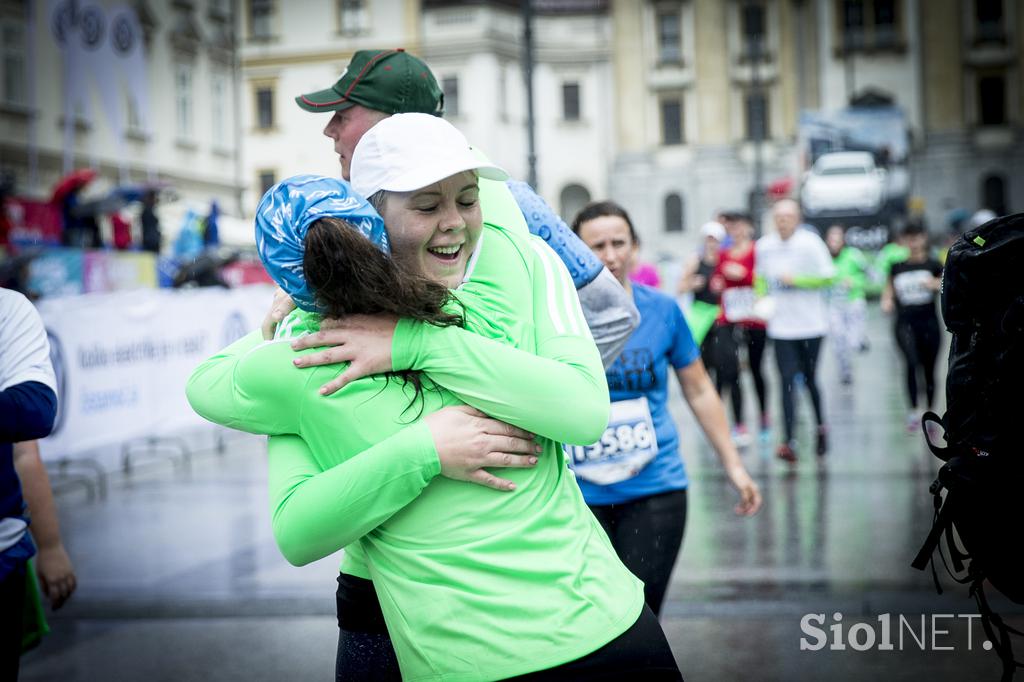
13, 63
352, 16
673, 213
450, 88
989, 17
183, 100
992, 99
133, 117
669, 28
219, 111
869, 24
993, 194
853, 24
267, 179
884, 26
260, 12
755, 109
572, 200
571, 101
265, 108
671, 121
753, 27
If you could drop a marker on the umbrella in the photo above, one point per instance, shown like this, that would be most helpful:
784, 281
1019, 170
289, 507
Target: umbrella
75, 180
131, 193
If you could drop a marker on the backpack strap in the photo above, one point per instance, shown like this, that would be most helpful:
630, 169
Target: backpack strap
930, 417
992, 622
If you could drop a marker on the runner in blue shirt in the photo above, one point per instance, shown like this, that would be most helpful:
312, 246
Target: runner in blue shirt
634, 479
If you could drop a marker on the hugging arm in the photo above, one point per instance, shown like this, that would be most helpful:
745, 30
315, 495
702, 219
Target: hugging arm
608, 308
318, 511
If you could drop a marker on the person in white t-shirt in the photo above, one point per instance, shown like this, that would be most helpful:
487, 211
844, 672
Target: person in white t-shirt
794, 268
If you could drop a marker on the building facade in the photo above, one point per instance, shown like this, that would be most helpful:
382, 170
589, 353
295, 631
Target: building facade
142, 96
475, 52
675, 108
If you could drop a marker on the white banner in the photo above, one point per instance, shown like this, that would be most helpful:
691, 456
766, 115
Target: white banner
122, 359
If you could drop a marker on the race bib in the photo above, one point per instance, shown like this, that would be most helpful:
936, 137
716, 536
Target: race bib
625, 448
738, 303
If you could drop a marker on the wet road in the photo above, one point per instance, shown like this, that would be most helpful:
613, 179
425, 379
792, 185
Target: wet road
180, 579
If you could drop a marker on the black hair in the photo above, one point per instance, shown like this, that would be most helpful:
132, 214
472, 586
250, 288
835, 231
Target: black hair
598, 209
914, 228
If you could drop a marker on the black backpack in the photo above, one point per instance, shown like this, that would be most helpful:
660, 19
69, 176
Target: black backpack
983, 308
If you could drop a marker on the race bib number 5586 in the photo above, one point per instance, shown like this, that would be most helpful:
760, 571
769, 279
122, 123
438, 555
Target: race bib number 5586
625, 448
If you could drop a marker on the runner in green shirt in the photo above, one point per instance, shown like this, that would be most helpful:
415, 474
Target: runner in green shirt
847, 305
474, 583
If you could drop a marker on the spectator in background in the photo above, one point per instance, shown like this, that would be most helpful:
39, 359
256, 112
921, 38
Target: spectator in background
700, 280
28, 406
151, 236
794, 267
911, 293
847, 305
737, 326
121, 229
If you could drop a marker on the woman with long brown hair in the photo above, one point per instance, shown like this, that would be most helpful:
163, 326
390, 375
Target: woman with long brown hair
472, 582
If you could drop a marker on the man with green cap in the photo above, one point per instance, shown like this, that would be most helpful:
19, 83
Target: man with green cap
375, 85
379, 83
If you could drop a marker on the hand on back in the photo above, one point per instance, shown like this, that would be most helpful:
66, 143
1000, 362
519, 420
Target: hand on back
467, 441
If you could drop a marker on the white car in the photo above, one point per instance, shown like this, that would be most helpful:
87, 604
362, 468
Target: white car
844, 184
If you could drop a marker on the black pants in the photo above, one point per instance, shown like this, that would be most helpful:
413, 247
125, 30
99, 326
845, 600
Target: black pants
366, 654
798, 356
12, 599
647, 534
722, 356
726, 356
918, 339
755, 339
641, 650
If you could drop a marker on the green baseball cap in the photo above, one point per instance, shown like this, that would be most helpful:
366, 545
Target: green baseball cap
392, 81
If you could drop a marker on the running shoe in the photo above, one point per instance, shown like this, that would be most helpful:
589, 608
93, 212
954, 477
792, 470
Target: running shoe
786, 453
913, 422
740, 435
822, 441
766, 427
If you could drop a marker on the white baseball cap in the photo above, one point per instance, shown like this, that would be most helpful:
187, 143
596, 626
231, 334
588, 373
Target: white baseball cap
713, 229
406, 152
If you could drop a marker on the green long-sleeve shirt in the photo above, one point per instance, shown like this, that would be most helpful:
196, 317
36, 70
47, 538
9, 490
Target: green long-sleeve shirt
851, 274
474, 583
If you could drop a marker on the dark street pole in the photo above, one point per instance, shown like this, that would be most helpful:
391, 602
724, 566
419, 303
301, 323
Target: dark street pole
759, 116
531, 150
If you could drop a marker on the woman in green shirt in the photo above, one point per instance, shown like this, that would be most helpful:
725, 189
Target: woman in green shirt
474, 583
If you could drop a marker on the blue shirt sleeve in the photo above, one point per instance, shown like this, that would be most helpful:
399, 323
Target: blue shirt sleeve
684, 350
27, 411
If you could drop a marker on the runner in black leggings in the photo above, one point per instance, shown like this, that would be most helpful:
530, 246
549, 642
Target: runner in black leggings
911, 291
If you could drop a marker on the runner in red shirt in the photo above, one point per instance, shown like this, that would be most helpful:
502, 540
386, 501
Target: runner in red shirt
737, 326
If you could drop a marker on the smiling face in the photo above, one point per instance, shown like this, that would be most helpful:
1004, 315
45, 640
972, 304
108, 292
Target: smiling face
434, 230
346, 128
608, 236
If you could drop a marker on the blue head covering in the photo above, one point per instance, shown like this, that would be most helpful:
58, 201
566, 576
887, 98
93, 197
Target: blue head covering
284, 215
